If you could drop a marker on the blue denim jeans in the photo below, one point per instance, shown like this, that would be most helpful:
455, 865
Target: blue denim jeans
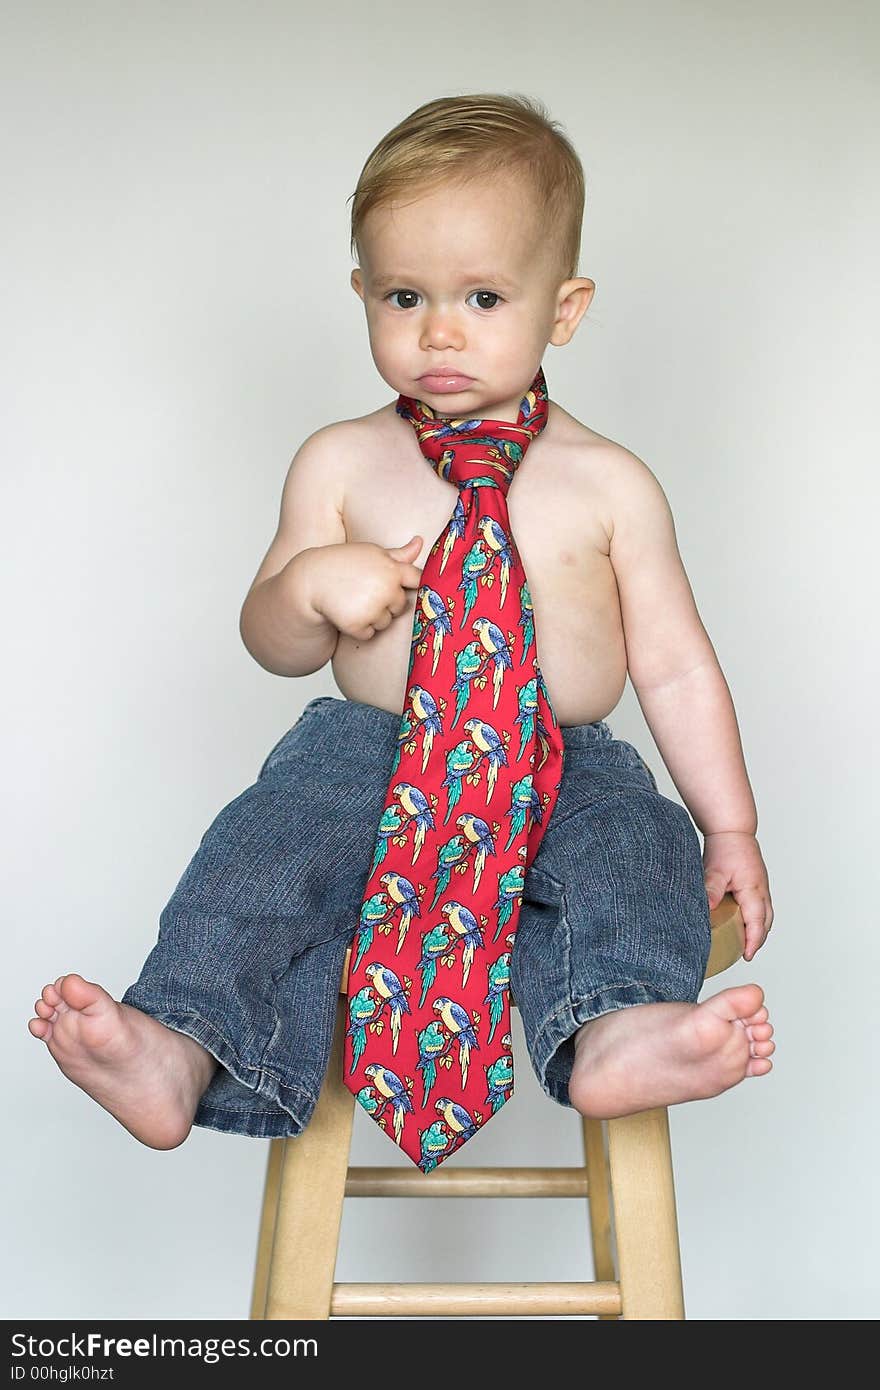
252, 943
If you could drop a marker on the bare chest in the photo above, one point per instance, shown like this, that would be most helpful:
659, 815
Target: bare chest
560, 524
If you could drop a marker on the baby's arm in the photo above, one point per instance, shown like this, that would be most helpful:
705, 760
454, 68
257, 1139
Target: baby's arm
314, 584
671, 661
683, 693
279, 626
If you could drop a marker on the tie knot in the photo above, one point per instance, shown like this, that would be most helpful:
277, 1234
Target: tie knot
477, 451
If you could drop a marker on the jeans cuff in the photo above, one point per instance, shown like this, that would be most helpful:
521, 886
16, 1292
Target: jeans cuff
260, 1121
552, 1051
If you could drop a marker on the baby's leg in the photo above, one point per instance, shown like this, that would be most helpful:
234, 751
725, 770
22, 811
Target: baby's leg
610, 957
230, 1021
635, 1058
637, 1055
148, 1076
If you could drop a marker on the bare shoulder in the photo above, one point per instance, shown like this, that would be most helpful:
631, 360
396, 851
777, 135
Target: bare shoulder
320, 474
341, 446
357, 426
313, 495
334, 441
628, 489
663, 632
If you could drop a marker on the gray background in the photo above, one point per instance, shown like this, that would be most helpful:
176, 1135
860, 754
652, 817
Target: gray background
177, 318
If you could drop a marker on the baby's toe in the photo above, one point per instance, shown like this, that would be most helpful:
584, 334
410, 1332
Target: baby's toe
762, 1049
40, 1028
79, 993
759, 1066
43, 1009
760, 1032
760, 1017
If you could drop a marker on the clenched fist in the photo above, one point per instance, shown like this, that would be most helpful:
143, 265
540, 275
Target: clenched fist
360, 587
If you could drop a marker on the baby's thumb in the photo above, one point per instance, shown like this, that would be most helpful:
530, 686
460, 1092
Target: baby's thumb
408, 551
715, 886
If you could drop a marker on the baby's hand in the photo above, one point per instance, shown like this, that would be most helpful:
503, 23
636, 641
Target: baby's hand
360, 587
732, 863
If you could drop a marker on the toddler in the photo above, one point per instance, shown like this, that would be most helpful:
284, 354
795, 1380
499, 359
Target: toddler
466, 221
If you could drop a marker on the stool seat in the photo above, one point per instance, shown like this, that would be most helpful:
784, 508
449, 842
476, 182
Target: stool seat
626, 1177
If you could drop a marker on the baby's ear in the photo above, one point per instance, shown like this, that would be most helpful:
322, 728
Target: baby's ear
357, 282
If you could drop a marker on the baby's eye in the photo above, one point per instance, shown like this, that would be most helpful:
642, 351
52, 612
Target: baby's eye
394, 293
411, 295
486, 294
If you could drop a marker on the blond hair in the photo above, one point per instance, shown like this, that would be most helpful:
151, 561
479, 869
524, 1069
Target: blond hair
479, 135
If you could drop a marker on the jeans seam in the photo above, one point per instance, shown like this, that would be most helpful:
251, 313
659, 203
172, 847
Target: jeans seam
213, 1029
573, 1002
540, 873
564, 918
233, 1110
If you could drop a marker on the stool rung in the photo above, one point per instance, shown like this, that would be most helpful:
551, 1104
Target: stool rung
467, 1182
473, 1300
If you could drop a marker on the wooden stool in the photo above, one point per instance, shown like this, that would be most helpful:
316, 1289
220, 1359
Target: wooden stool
627, 1175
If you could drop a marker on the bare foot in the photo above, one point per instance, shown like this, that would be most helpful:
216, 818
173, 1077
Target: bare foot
148, 1076
660, 1054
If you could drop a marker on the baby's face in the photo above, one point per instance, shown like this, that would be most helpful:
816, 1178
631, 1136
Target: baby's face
462, 278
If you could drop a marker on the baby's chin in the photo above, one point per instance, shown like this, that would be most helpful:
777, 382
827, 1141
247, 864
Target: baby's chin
448, 404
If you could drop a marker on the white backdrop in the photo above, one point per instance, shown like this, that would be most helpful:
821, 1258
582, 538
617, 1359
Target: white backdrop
177, 318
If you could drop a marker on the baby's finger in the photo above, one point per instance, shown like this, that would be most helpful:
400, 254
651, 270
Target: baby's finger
762, 925
716, 886
410, 576
755, 935
751, 905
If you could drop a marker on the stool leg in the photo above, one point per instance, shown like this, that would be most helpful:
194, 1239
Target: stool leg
599, 1203
267, 1228
645, 1222
310, 1197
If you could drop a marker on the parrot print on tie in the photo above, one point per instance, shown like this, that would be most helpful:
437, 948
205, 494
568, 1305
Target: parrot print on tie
474, 780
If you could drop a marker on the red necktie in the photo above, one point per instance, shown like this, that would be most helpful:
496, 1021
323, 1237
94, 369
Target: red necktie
476, 777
